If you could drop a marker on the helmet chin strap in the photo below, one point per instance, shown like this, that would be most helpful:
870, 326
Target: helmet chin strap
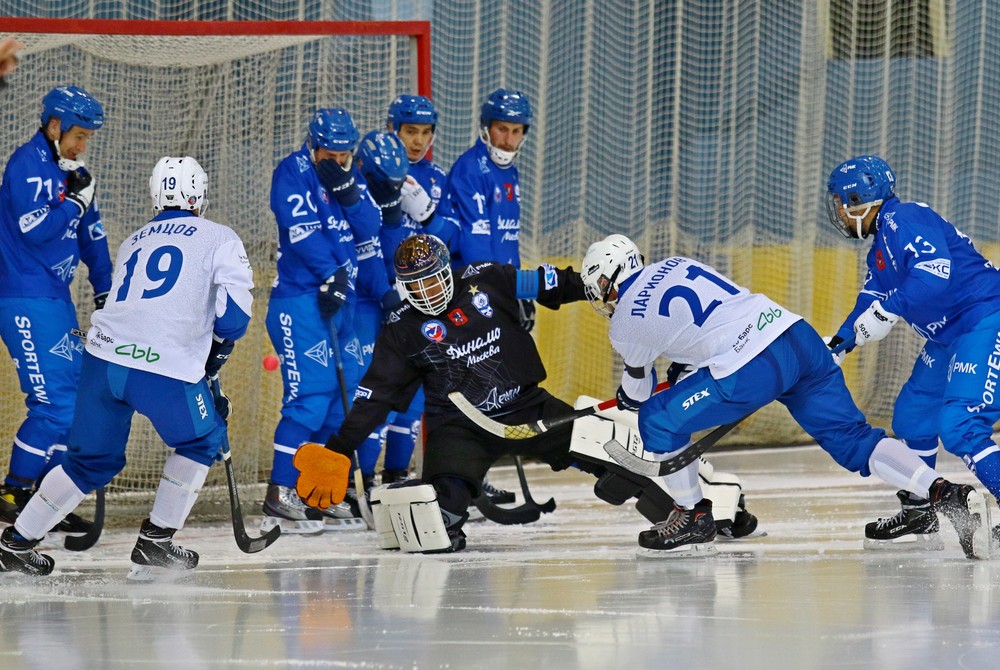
501, 157
859, 219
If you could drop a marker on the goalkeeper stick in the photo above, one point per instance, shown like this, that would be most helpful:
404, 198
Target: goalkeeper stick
524, 431
247, 544
359, 482
641, 466
528, 512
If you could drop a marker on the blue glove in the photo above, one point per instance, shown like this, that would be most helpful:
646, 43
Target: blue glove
80, 188
339, 181
223, 405
389, 199
678, 371
332, 294
218, 355
624, 402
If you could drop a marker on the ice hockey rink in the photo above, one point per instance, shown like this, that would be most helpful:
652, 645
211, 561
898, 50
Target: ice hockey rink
565, 592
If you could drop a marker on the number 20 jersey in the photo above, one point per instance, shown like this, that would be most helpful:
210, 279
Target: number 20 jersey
176, 280
690, 313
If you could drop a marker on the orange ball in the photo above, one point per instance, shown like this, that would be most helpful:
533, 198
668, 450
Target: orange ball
271, 362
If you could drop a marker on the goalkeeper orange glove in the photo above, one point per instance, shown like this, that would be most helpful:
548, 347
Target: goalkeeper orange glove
322, 475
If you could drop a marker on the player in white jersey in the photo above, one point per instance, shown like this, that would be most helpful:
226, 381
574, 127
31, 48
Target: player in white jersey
745, 351
180, 298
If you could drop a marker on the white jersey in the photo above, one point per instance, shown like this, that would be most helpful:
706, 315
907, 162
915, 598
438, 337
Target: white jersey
173, 278
690, 313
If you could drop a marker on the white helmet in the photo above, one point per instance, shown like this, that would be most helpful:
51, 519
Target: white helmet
178, 183
607, 264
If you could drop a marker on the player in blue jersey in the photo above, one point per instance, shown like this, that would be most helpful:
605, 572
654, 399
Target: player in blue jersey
181, 298
746, 351
328, 253
925, 271
49, 222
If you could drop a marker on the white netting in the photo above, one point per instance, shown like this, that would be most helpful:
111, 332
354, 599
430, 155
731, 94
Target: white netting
238, 104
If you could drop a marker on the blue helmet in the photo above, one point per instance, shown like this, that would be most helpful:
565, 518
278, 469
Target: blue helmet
333, 129
382, 158
411, 109
73, 106
504, 105
863, 181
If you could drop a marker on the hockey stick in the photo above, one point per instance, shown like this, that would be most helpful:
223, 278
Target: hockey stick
247, 544
641, 466
90, 538
528, 512
524, 431
359, 482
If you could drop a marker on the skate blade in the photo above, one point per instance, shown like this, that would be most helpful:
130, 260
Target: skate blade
983, 531
696, 550
151, 573
475, 515
911, 542
340, 525
752, 536
302, 527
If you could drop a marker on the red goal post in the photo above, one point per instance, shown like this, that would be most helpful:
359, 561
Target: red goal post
237, 96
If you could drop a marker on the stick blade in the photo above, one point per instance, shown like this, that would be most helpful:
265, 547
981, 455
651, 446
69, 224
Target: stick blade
630, 461
90, 538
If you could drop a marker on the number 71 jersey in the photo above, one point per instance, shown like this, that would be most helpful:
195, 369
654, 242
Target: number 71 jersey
690, 313
176, 280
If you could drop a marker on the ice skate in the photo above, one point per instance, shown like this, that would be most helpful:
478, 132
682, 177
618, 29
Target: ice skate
14, 498
965, 507
497, 496
18, 555
342, 516
283, 507
686, 532
156, 555
915, 526
743, 525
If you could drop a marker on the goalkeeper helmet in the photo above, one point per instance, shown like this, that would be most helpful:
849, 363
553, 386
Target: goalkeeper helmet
854, 189
607, 264
178, 183
509, 106
423, 273
333, 129
382, 158
73, 106
417, 109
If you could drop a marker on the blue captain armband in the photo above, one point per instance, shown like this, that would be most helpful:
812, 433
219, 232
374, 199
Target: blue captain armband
527, 284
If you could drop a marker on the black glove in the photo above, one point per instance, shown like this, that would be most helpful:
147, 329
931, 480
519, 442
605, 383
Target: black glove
332, 294
223, 405
218, 355
389, 199
100, 299
527, 314
338, 181
624, 402
390, 302
678, 371
80, 189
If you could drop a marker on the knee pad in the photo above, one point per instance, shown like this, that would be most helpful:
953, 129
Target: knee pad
617, 485
408, 518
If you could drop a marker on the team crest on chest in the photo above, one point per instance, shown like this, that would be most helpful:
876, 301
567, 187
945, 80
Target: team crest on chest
481, 302
458, 317
434, 330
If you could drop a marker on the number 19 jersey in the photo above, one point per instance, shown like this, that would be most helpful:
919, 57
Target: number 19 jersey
176, 280
690, 313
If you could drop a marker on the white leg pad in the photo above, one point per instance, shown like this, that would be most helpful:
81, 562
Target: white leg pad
57, 496
179, 487
414, 516
383, 525
591, 433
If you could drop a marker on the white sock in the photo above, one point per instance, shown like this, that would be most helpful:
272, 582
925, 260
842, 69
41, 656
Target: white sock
57, 496
179, 487
684, 485
895, 463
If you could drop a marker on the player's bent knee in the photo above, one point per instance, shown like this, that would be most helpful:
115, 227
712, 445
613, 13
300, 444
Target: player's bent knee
409, 518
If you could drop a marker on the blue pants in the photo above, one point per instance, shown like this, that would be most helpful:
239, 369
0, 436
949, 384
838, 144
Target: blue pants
312, 407
47, 357
401, 431
798, 371
951, 394
182, 413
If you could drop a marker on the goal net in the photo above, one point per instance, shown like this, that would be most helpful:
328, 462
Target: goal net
238, 97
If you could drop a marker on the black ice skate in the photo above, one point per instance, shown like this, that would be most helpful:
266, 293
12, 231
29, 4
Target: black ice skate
497, 496
155, 554
18, 555
283, 507
965, 507
686, 532
14, 498
915, 526
744, 524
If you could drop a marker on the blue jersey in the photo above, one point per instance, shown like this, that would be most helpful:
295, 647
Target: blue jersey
42, 237
486, 201
926, 271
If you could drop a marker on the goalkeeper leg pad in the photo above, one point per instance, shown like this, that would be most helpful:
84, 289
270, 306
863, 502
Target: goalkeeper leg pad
409, 517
